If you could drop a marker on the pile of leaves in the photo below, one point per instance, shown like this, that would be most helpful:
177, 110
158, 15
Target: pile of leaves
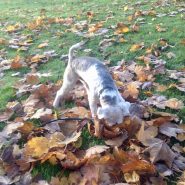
137, 151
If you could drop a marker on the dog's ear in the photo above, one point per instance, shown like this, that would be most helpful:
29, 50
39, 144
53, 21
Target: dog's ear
101, 113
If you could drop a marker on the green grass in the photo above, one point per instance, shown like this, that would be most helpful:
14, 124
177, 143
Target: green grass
24, 11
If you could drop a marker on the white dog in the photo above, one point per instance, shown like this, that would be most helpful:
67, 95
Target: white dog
99, 85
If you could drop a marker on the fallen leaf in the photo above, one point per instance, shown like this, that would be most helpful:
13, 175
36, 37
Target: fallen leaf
37, 58
160, 151
136, 47
42, 113
174, 103
170, 129
132, 177
32, 79
97, 149
132, 89
144, 135
17, 63
121, 28
42, 45
36, 147
117, 141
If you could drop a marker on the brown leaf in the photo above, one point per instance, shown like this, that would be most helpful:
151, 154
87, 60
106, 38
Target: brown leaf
171, 130
160, 151
26, 128
6, 115
160, 121
32, 79
117, 141
3, 41
16, 63
131, 162
144, 135
181, 137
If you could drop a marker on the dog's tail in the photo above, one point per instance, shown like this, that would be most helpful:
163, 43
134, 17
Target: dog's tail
73, 48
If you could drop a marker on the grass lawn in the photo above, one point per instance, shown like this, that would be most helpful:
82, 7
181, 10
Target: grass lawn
25, 11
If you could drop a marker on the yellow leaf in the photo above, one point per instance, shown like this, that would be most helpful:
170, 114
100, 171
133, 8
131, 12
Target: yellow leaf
36, 147
37, 58
122, 40
10, 28
45, 44
136, 47
125, 8
122, 28
131, 177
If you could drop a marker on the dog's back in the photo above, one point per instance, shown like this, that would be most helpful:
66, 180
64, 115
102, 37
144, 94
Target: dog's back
93, 71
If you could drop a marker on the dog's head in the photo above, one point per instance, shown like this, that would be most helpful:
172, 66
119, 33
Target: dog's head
114, 114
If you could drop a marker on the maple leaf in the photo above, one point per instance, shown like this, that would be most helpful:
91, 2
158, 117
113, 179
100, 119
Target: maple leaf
132, 90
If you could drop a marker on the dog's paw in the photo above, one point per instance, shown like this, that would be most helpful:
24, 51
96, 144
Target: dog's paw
56, 104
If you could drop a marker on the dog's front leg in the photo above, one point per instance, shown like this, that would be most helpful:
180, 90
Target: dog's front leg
92, 104
70, 79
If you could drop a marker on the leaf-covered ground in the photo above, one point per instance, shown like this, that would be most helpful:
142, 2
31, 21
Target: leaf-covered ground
142, 43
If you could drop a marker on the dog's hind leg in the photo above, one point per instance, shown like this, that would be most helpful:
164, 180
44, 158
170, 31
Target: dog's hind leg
69, 80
